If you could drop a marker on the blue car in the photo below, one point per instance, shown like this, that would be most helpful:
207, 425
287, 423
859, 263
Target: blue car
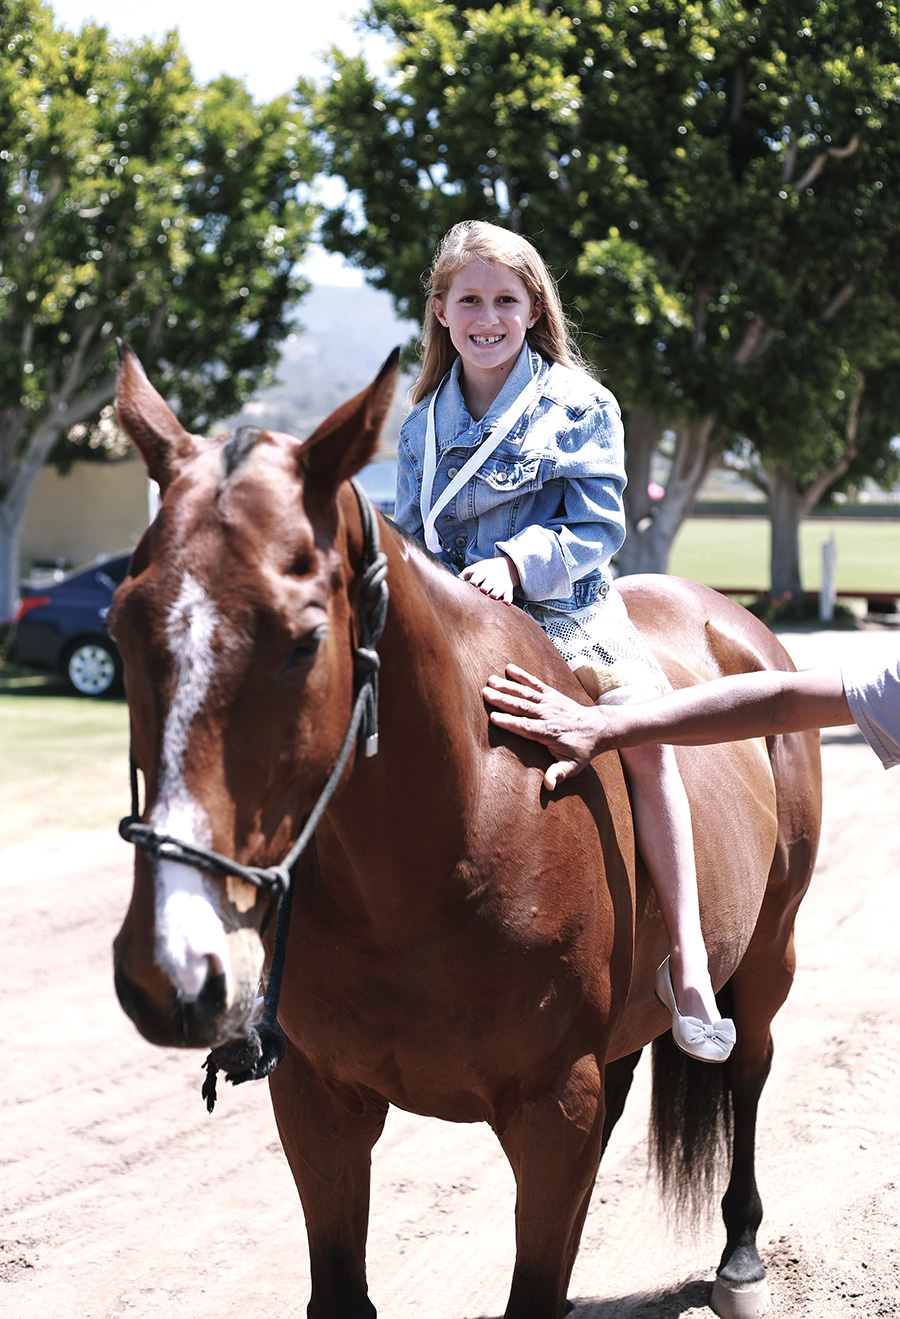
60, 624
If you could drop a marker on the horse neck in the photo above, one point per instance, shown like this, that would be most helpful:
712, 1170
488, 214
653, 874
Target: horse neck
404, 816
431, 669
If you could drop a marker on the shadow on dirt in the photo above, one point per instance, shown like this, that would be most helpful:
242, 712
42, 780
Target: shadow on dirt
689, 1297
645, 1305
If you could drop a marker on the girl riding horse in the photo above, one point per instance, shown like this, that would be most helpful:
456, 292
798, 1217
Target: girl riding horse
511, 469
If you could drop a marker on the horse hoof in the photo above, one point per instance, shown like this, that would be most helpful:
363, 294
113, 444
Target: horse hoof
747, 1300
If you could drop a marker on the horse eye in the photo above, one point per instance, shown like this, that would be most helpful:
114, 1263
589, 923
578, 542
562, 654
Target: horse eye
304, 649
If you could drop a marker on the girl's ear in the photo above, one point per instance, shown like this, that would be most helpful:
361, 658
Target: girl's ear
537, 312
437, 307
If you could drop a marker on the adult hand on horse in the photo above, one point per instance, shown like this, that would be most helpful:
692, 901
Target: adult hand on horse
495, 577
572, 733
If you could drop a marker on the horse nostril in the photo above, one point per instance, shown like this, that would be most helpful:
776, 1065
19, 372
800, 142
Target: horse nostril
211, 1001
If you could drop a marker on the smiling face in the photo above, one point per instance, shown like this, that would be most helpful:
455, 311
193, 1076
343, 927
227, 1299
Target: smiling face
487, 310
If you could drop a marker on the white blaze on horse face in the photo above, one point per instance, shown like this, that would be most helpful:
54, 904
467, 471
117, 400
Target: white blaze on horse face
189, 931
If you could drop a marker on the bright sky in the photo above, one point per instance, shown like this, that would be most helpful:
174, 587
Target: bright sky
269, 55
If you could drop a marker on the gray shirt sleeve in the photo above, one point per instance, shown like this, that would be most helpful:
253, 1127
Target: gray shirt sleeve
873, 694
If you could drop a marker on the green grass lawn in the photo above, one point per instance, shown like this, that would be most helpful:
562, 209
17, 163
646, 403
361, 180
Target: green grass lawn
63, 759
733, 552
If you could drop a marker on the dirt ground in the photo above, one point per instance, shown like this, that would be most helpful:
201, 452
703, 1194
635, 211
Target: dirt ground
121, 1197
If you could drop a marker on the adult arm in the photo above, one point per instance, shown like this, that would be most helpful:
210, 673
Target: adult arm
723, 710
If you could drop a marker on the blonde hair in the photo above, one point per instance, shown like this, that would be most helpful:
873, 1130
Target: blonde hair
474, 240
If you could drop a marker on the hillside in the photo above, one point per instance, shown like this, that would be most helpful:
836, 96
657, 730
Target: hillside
344, 335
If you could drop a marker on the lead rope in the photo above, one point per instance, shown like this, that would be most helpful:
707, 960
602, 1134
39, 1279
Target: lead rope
260, 1049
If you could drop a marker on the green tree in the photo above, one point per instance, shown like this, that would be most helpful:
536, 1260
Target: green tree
821, 444
133, 201
715, 184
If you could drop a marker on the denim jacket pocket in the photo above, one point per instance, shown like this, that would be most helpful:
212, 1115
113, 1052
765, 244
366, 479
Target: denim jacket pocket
504, 478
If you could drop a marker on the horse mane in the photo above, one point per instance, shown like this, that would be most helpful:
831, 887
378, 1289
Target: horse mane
476, 623
417, 544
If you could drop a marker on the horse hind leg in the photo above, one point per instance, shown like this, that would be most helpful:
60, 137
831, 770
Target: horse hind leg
740, 1290
700, 1114
759, 989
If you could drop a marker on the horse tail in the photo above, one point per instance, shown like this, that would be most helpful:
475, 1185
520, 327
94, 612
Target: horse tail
691, 1123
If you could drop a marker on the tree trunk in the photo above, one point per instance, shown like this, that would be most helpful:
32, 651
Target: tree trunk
59, 416
9, 570
652, 525
786, 510
790, 503
13, 506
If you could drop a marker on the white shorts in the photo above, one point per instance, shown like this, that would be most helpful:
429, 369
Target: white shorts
603, 648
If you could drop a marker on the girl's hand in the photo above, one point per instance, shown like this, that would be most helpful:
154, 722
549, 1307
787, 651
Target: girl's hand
570, 732
495, 577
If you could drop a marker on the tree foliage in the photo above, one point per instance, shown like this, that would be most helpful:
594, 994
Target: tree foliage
717, 186
133, 202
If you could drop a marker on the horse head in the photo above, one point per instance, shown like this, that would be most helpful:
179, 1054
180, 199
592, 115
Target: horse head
236, 617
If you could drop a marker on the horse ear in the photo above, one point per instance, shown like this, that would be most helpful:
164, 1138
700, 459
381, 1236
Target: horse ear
346, 440
148, 420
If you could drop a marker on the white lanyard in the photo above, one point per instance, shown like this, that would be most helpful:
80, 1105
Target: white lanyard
520, 404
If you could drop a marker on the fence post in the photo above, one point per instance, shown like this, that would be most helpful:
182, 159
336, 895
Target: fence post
828, 593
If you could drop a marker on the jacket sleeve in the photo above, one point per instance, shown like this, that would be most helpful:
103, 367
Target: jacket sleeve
407, 512
585, 522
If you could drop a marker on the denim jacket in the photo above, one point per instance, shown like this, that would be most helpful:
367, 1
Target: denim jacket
549, 496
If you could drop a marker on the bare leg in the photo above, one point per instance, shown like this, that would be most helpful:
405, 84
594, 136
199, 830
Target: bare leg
665, 838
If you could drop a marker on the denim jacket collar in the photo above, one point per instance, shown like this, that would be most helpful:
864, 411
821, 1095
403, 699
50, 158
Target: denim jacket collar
453, 422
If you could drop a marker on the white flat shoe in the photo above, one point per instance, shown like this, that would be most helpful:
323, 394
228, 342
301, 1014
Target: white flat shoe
708, 1043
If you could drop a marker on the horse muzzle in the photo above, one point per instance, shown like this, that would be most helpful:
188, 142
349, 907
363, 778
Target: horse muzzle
218, 1009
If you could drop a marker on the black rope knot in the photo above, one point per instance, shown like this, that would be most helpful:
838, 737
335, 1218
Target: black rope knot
257, 1052
366, 660
250, 1058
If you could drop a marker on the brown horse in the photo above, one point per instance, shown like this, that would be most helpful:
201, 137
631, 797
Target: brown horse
461, 944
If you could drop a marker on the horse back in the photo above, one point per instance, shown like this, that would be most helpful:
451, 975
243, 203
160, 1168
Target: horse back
696, 633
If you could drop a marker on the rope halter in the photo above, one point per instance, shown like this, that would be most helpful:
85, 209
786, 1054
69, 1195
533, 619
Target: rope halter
259, 1051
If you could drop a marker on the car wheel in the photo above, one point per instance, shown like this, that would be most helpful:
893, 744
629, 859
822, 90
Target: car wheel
93, 669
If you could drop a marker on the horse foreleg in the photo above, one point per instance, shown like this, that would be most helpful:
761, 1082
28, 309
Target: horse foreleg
328, 1134
553, 1144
